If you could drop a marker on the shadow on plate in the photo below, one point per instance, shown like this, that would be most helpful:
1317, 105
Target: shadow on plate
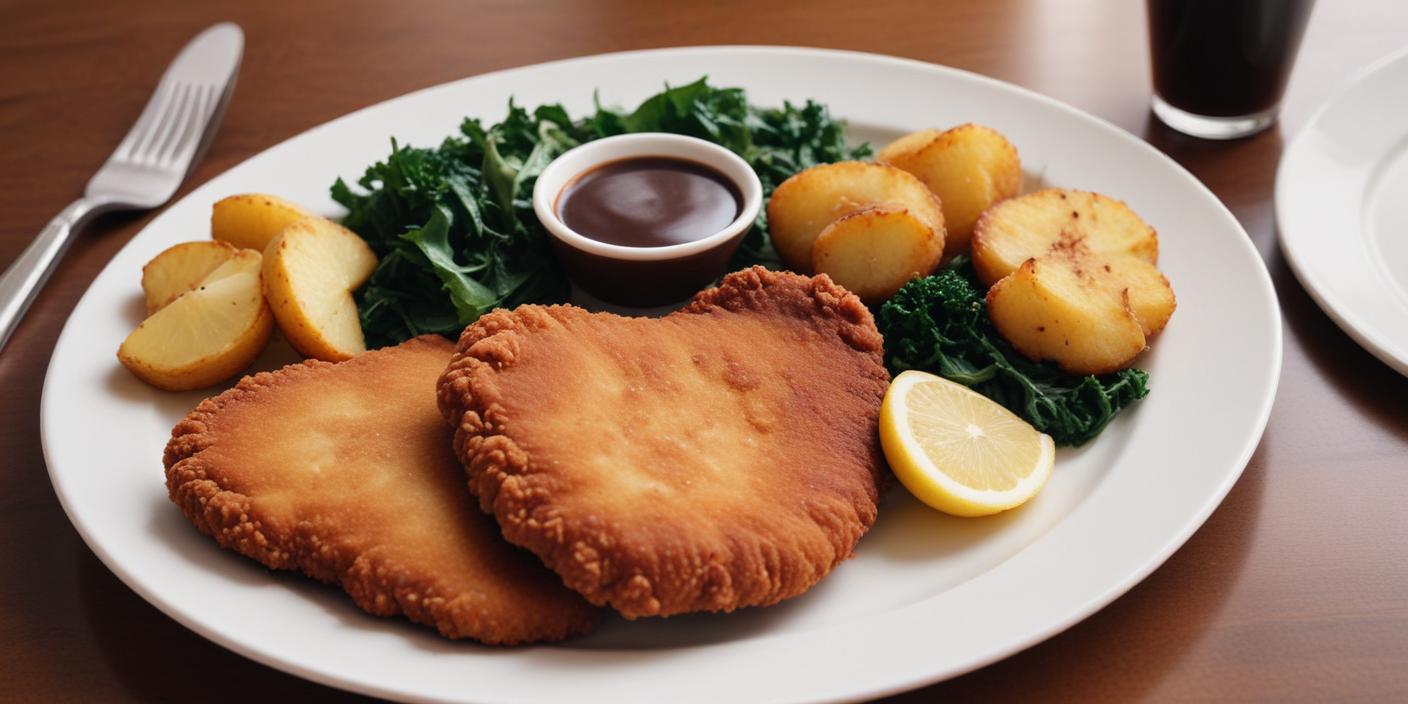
173, 405
134, 310
657, 634
909, 530
167, 526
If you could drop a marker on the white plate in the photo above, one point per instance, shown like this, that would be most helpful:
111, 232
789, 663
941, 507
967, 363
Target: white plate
1342, 209
926, 597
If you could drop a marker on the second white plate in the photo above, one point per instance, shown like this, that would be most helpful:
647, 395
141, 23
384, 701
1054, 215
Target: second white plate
1342, 209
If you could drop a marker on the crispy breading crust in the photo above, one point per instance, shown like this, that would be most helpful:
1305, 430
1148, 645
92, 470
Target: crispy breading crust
380, 586
664, 567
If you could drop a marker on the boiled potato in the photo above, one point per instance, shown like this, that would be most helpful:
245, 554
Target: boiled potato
1054, 220
969, 167
311, 269
180, 268
251, 220
805, 204
1049, 309
874, 252
207, 334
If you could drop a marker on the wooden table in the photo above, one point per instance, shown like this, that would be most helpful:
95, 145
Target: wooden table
1296, 588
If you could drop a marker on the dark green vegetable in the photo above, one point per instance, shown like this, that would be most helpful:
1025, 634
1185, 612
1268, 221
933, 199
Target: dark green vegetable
454, 225
940, 324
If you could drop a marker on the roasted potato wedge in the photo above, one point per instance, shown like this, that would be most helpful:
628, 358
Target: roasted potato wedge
1049, 309
969, 167
805, 204
874, 252
207, 334
180, 268
1056, 220
251, 220
311, 269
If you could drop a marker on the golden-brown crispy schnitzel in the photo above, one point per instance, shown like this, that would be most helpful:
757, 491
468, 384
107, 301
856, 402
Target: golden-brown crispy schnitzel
344, 471
725, 455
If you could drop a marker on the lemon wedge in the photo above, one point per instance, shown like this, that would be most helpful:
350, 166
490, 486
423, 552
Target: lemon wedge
958, 451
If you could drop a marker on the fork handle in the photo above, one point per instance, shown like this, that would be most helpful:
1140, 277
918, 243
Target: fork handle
28, 273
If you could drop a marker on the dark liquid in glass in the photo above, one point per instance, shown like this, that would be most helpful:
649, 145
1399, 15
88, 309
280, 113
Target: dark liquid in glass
1224, 58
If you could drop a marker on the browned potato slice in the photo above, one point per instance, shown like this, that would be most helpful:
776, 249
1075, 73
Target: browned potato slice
804, 205
906, 146
1056, 220
876, 251
1147, 291
180, 268
1051, 310
969, 167
251, 220
310, 271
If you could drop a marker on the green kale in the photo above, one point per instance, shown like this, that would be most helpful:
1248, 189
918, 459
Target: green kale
940, 324
454, 226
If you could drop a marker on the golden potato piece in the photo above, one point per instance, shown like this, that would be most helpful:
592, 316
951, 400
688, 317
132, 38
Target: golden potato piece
251, 220
1051, 310
180, 268
207, 334
905, 146
874, 252
804, 205
310, 271
1146, 290
969, 167
1056, 220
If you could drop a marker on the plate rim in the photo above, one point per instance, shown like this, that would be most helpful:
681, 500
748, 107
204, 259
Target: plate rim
895, 684
1312, 280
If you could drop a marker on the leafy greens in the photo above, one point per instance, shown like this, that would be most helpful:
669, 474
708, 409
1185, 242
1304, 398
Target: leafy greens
454, 227
940, 324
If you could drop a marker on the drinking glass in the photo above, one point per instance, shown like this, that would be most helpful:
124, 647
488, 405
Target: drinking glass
1220, 66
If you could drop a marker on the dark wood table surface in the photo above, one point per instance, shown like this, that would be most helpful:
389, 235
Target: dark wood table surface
1295, 589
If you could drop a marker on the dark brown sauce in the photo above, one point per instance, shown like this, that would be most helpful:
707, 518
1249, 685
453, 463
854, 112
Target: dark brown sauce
652, 201
1224, 57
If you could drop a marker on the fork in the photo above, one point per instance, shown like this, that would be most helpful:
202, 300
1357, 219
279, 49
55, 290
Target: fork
148, 166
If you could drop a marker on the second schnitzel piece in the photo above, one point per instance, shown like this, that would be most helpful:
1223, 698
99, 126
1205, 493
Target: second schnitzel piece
344, 472
723, 456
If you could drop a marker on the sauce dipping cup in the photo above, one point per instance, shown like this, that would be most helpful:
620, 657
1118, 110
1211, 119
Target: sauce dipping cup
645, 276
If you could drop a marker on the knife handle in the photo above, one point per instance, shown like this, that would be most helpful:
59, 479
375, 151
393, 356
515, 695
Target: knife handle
31, 269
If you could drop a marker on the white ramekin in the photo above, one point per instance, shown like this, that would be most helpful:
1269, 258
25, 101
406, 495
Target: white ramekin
645, 276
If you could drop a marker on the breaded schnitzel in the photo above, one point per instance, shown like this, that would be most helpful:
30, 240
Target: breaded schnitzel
344, 472
723, 456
